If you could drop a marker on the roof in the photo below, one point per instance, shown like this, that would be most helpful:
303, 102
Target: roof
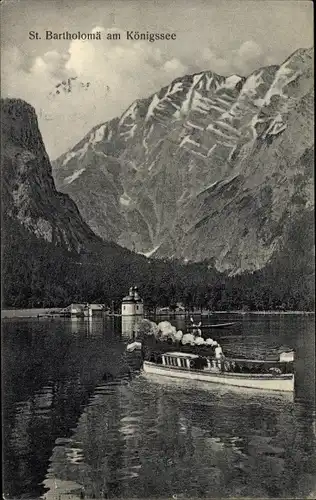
128, 299
131, 300
181, 354
85, 305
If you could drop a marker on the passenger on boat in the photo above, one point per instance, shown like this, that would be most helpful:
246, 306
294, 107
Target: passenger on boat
210, 342
188, 338
218, 351
199, 341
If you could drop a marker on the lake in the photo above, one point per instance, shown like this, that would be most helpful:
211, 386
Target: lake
80, 421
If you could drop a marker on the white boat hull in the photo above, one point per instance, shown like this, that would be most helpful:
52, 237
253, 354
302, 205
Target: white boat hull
266, 382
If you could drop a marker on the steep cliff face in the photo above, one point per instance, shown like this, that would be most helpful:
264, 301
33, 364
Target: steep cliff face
50, 256
209, 167
29, 195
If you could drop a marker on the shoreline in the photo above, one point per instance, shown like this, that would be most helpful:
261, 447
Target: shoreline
33, 313
245, 313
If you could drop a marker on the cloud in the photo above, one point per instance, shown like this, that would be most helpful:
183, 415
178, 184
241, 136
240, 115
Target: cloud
242, 61
247, 56
118, 72
249, 50
211, 60
174, 66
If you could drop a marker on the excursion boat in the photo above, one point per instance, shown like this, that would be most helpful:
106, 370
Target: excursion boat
260, 374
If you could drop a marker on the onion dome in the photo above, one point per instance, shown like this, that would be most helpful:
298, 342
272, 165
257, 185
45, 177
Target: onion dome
133, 297
137, 297
129, 299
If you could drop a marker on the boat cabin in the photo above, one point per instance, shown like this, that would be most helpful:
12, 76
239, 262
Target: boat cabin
180, 359
190, 361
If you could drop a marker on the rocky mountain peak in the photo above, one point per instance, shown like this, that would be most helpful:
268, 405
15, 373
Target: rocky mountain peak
29, 194
19, 121
208, 167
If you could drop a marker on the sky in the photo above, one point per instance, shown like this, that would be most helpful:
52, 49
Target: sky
227, 37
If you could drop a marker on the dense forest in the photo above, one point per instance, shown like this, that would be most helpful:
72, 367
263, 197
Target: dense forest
37, 274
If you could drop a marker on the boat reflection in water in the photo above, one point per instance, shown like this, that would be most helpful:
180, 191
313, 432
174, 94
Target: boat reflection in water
161, 438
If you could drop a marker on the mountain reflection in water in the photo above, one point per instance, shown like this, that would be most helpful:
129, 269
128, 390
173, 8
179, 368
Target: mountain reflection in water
80, 422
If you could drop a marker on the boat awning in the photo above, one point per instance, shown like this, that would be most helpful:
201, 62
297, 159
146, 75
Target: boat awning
180, 354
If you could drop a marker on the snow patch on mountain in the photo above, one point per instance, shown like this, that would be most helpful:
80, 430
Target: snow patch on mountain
216, 131
77, 153
98, 135
228, 127
187, 140
277, 126
252, 83
151, 252
218, 108
209, 80
74, 176
173, 89
231, 82
253, 124
210, 186
125, 200
128, 134
211, 150
189, 124
283, 77
233, 149
199, 103
69, 156
186, 104
129, 113
152, 106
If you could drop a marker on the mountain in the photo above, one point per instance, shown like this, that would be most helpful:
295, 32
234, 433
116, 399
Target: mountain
209, 168
29, 195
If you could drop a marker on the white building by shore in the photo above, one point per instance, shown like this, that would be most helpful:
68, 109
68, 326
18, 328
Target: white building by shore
85, 309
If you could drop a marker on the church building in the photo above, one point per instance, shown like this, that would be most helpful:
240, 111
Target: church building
132, 304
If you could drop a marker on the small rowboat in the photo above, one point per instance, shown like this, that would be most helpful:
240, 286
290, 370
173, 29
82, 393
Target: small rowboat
216, 325
134, 346
183, 365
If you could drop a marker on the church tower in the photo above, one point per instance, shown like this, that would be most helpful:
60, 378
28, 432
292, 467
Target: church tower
132, 304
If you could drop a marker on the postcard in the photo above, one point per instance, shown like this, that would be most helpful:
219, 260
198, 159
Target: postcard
158, 294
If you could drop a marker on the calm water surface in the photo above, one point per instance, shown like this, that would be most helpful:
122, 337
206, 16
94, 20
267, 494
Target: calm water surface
80, 421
